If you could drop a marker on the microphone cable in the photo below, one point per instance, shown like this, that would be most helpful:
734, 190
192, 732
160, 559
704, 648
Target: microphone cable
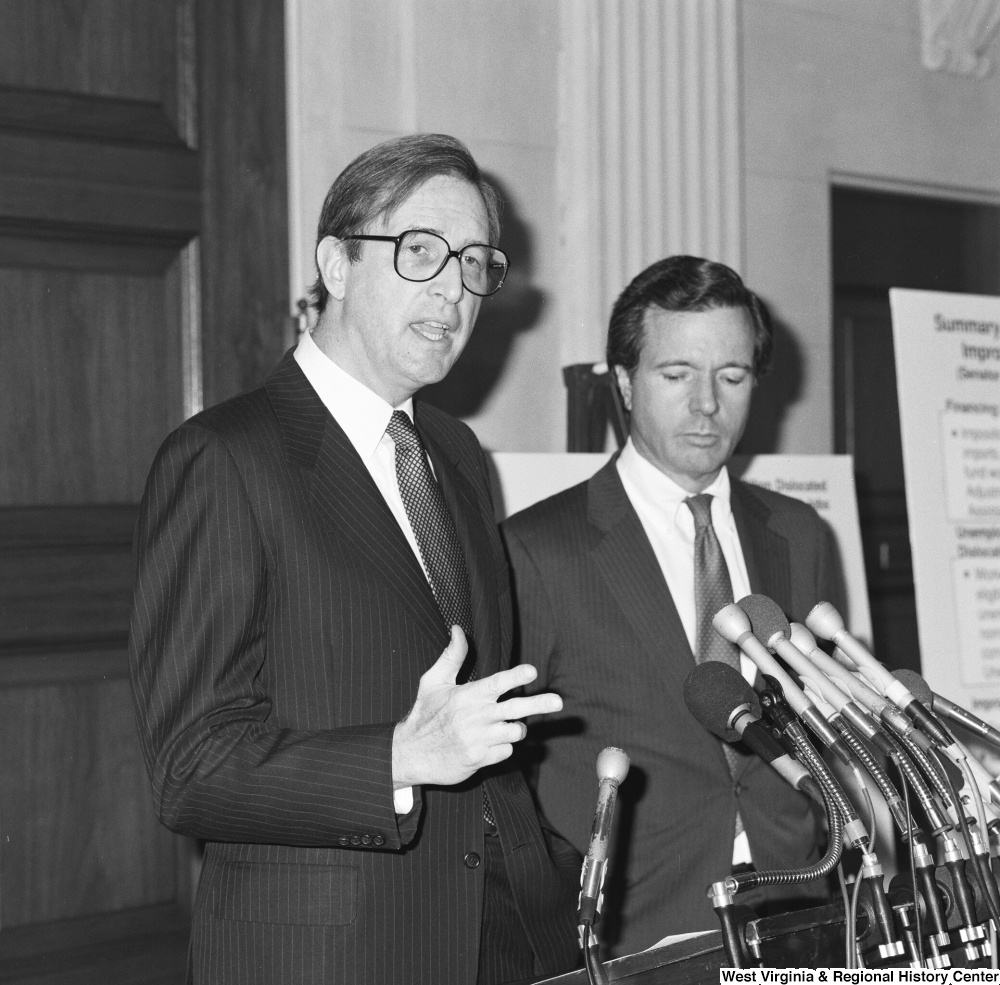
596, 975
975, 858
917, 919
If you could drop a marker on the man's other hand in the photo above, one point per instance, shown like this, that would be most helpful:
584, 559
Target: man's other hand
452, 730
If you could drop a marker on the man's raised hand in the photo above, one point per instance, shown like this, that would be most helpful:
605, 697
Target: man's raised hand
452, 730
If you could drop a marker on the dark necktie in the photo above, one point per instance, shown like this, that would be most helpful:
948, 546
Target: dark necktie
712, 590
432, 525
436, 537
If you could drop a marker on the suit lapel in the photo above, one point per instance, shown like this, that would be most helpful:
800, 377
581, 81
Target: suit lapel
629, 567
767, 554
345, 496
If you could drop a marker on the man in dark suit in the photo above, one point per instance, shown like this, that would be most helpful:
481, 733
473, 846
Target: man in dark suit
614, 596
303, 550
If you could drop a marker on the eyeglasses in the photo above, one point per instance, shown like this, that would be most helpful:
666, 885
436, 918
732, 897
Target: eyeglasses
422, 256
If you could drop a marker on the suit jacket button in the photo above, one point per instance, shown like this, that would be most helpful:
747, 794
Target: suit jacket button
343, 840
378, 840
472, 860
355, 840
366, 839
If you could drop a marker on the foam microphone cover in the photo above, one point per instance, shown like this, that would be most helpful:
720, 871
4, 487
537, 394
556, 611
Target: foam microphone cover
712, 691
917, 686
766, 617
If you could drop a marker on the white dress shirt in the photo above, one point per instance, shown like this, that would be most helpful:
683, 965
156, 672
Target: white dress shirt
669, 527
364, 416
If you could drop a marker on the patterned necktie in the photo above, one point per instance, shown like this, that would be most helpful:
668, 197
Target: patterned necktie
432, 525
712, 590
712, 587
436, 537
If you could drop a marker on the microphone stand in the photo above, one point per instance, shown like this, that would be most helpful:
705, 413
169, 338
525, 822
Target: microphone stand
721, 893
855, 834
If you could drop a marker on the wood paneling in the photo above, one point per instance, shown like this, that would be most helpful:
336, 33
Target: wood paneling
62, 182
144, 946
120, 48
130, 121
245, 290
75, 807
65, 579
76, 383
141, 151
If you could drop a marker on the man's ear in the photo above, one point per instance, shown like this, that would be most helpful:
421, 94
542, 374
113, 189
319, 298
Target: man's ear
624, 386
332, 262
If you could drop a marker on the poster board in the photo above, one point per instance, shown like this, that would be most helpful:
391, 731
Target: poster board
824, 481
948, 377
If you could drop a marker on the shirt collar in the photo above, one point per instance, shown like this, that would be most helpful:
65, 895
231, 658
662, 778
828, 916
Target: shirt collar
363, 414
657, 487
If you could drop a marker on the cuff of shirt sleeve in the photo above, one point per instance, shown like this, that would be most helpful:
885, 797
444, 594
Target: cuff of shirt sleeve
402, 800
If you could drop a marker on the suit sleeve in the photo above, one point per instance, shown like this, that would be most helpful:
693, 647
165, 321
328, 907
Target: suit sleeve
197, 647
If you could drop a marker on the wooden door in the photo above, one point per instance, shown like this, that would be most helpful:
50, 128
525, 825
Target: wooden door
143, 273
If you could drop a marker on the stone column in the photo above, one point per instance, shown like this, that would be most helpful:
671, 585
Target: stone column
649, 148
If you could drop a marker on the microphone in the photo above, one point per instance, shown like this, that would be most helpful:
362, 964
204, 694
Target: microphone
824, 620
987, 784
612, 768
859, 691
734, 624
836, 695
942, 706
721, 700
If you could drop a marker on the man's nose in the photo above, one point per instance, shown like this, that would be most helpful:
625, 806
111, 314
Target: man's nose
705, 399
447, 283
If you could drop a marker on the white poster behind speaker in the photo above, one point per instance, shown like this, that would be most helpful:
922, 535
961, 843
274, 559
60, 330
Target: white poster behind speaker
948, 377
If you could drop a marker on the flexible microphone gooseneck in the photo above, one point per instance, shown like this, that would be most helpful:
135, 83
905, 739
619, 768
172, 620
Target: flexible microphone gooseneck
772, 628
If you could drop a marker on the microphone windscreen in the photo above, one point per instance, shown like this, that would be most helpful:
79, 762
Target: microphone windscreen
766, 617
712, 691
917, 686
612, 764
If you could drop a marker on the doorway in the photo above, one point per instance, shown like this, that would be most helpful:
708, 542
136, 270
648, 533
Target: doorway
882, 240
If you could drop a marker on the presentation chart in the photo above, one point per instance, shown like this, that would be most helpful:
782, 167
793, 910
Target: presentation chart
948, 376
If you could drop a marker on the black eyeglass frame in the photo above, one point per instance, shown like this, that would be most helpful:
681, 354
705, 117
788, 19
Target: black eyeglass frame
398, 240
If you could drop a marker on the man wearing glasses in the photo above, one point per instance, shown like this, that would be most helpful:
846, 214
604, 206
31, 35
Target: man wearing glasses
321, 635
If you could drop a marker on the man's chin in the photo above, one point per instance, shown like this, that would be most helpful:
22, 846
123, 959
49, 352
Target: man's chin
435, 373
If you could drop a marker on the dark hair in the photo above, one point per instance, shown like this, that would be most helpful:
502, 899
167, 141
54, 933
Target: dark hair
683, 283
377, 183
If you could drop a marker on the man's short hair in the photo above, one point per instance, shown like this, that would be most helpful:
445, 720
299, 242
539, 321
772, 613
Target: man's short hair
683, 283
377, 183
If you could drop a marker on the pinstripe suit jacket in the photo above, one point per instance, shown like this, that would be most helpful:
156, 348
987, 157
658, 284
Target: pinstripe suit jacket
597, 619
280, 626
